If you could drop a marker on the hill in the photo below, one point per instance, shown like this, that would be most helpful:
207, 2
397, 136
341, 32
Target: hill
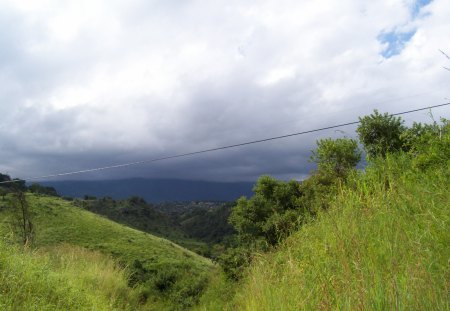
167, 274
383, 244
154, 190
376, 239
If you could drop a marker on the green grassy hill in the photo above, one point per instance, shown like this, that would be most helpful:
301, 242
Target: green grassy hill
167, 275
384, 244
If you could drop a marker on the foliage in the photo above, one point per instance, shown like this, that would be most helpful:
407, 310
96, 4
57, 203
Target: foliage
134, 212
336, 157
206, 223
199, 226
381, 134
234, 261
278, 208
270, 214
429, 144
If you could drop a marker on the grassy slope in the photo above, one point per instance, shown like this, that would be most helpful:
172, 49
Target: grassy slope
191, 225
384, 245
176, 274
63, 278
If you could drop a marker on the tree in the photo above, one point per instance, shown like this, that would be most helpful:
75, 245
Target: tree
381, 134
270, 214
336, 157
23, 217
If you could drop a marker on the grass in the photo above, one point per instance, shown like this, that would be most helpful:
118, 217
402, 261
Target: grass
219, 293
169, 276
384, 245
63, 278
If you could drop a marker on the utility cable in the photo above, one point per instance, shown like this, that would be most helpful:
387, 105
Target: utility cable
210, 150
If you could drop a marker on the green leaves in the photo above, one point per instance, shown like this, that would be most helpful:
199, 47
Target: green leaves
336, 157
381, 133
265, 214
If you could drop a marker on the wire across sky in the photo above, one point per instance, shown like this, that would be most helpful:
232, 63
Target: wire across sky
210, 150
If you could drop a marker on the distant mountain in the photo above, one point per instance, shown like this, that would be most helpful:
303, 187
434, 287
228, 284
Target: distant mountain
154, 190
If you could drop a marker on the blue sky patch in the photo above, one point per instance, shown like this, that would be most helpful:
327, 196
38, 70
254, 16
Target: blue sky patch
418, 4
395, 42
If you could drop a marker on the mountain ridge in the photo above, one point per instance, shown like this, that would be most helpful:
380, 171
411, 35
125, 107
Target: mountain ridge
153, 190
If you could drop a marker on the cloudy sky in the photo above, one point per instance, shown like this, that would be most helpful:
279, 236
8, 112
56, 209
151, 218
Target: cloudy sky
102, 82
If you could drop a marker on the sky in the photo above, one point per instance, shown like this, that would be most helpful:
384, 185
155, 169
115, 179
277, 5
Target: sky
85, 84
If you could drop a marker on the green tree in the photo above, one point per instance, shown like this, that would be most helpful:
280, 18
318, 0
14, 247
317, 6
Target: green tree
336, 157
270, 214
381, 134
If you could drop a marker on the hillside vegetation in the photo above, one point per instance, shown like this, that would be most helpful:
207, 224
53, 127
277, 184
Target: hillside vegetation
165, 273
376, 239
384, 244
198, 226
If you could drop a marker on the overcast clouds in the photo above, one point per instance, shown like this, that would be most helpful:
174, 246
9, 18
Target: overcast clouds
94, 83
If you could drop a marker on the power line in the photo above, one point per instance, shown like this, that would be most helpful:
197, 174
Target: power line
212, 149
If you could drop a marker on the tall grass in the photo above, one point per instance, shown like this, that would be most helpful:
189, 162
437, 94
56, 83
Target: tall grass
62, 278
384, 245
219, 293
